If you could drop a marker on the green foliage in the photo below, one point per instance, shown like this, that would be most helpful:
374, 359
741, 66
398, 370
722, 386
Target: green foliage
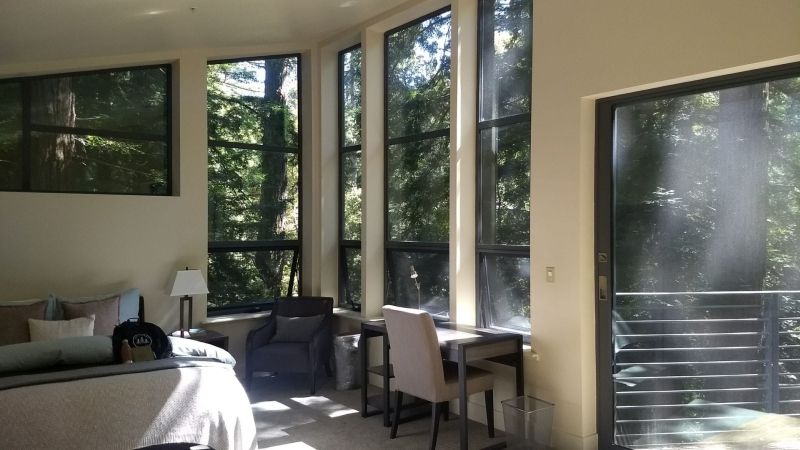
253, 178
418, 172
129, 104
351, 183
351, 97
10, 135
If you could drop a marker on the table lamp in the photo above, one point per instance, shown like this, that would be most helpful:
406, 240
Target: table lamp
187, 283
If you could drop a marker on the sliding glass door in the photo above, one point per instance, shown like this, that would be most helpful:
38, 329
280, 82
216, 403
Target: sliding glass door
698, 264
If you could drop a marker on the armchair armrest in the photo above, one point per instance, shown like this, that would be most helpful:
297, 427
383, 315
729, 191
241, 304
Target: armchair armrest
321, 341
260, 336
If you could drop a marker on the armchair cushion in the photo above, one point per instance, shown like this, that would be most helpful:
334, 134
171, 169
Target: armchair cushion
296, 329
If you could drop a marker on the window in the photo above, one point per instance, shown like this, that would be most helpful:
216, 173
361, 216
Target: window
104, 132
698, 195
504, 150
350, 177
417, 135
254, 149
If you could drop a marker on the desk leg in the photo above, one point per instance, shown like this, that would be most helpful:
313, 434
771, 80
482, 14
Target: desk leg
463, 418
386, 405
362, 347
519, 369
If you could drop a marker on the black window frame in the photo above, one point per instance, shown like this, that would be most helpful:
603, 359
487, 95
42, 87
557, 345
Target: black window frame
604, 223
28, 127
296, 245
482, 251
391, 246
345, 297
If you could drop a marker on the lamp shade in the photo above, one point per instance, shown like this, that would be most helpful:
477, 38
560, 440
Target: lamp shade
188, 282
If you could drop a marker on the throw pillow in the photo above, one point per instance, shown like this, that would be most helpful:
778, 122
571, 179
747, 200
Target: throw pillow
105, 311
296, 329
14, 319
46, 330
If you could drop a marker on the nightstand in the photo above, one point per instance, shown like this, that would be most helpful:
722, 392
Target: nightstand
208, 336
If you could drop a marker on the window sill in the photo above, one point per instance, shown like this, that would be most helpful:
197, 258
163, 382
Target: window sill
236, 317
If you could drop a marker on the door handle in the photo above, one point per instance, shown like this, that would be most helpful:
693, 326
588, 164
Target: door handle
602, 288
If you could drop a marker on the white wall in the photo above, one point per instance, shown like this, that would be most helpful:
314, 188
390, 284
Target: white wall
583, 49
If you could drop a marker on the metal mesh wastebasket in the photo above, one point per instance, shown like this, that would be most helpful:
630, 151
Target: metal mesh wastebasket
345, 353
529, 422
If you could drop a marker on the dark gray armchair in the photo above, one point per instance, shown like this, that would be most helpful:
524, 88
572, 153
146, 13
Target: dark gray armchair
263, 354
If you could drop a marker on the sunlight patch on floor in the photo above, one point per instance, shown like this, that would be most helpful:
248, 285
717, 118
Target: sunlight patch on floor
292, 446
273, 417
325, 406
269, 406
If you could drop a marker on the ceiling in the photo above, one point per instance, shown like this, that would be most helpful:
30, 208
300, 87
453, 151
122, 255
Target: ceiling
42, 30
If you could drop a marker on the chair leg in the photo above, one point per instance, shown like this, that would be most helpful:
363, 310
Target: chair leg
488, 397
313, 380
437, 412
398, 403
446, 411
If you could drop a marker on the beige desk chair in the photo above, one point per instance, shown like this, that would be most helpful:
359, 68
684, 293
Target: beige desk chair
420, 371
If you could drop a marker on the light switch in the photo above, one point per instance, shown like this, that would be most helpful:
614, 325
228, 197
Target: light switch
550, 274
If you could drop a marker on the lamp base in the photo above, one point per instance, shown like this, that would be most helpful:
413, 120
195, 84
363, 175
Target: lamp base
186, 334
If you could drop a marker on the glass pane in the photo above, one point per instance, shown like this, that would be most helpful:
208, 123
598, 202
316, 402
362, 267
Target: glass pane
126, 100
252, 195
254, 102
707, 266
419, 280
237, 278
352, 276
10, 136
70, 163
418, 77
505, 202
506, 58
418, 190
351, 97
351, 185
505, 292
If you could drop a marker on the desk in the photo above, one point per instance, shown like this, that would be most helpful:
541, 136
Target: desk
459, 343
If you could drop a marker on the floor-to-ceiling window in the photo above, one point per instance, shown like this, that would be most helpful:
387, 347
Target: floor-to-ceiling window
350, 177
254, 148
699, 264
417, 143
504, 150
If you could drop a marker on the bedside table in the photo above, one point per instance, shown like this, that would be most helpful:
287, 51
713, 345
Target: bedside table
208, 336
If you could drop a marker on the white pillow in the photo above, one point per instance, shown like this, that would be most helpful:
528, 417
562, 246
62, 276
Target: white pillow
48, 330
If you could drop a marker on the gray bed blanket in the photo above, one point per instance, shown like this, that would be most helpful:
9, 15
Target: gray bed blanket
126, 406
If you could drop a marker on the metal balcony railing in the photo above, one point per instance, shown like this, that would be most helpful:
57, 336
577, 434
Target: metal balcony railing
693, 368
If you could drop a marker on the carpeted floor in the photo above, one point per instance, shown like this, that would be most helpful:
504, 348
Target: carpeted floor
288, 418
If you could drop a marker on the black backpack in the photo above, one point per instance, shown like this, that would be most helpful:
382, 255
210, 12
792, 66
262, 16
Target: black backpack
141, 334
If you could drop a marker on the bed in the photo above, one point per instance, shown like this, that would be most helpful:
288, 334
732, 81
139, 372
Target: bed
68, 394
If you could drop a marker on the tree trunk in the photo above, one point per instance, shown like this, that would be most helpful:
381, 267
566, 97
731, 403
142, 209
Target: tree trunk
53, 155
737, 256
271, 265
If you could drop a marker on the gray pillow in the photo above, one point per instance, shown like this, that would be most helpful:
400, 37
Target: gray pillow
14, 320
105, 311
296, 329
38, 355
188, 347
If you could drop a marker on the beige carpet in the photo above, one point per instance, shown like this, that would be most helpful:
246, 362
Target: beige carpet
288, 418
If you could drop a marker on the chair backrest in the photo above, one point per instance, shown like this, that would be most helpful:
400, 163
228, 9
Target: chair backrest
415, 353
303, 306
